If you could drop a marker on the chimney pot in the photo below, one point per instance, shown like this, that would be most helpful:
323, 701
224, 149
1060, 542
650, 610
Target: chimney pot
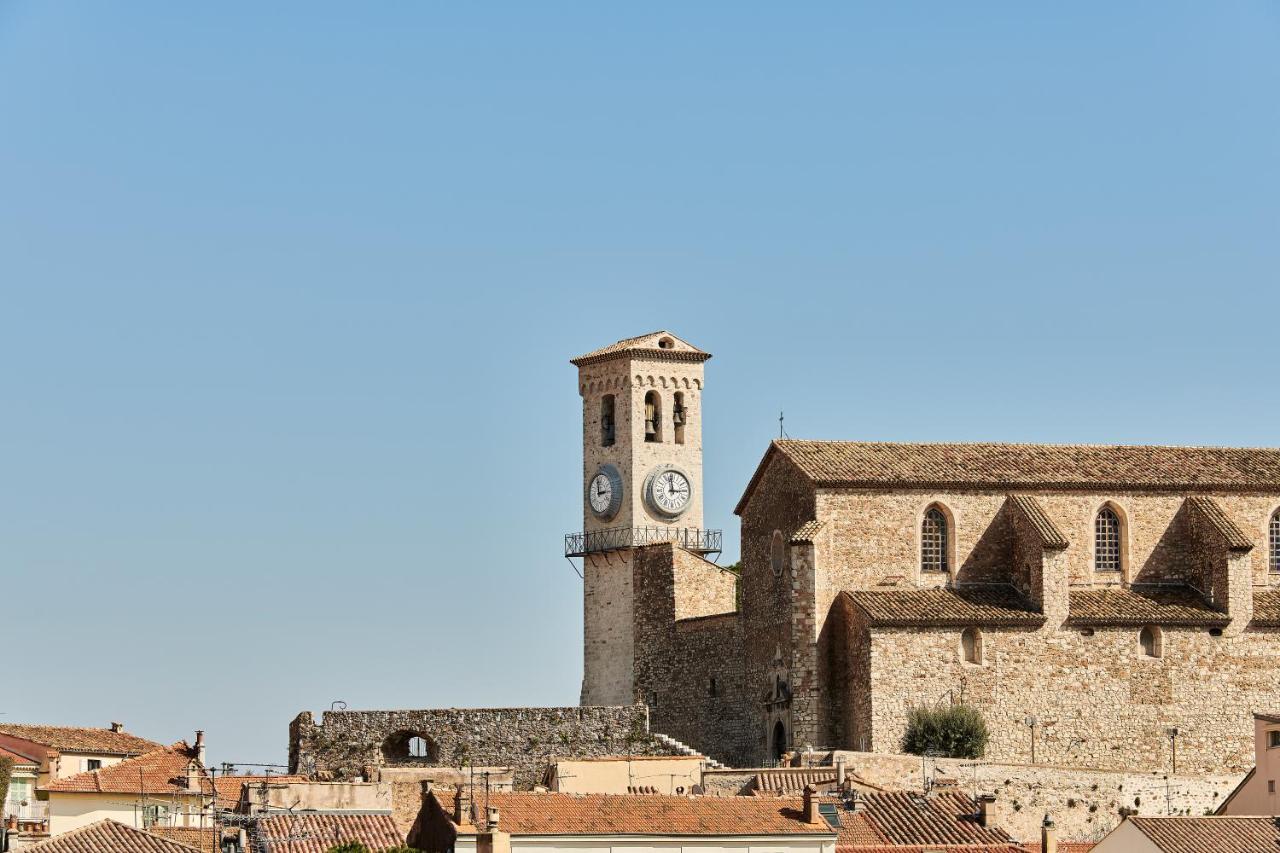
117, 727
986, 805
1048, 836
200, 747
810, 804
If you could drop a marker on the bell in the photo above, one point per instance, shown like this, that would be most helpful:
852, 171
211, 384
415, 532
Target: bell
677, 417
649, 429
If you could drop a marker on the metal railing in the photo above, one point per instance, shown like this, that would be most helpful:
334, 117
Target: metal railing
614, 538
34, 810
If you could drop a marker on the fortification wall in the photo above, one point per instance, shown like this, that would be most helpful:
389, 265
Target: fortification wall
1084, 803
524, 739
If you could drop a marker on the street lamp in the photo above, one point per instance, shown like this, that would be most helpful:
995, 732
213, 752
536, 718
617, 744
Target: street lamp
1172, 734
1031, 723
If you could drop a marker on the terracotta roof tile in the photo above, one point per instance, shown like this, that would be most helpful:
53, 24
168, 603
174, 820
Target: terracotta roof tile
1026, 466
1210, 834
108, 836
901, 821
992, 605
1063, 846
1217, 517
1050, 535
807, 531
1142, 605
793, 780
608, 814
645, 345
319, 832
1266, 608
74, 739
18, 758
201, 839
162, 771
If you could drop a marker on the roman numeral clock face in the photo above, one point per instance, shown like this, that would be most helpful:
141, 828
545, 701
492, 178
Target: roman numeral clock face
668, 491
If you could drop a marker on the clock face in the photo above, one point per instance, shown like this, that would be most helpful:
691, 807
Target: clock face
600, 493
604, 492
668, 492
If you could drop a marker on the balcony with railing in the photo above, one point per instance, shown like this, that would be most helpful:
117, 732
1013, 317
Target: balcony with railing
26, 817
693, 539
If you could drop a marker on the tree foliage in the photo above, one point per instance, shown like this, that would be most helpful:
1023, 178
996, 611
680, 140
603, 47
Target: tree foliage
6, 771
954, 731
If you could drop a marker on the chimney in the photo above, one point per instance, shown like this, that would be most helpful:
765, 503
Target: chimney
811, 805
493, 817
840, 772
200, 747
117, 727
462, 806
1048, 836
426, 788
986, 810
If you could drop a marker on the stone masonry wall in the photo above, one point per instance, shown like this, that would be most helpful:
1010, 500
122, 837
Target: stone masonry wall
1099, 701
689, 669
524, 739
1084, 803
608, 650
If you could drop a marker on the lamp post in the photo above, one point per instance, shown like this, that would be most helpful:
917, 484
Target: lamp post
1172, 734
1031, 723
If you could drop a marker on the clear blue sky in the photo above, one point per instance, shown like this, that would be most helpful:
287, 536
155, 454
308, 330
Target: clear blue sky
289, 290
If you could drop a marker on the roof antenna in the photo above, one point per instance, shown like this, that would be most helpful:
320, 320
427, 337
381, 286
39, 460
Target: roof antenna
782, 433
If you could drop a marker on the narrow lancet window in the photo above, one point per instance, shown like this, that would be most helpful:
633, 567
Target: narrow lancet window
607, 421
933, 541
1274, 545
652, 416
679, 415
1106, 541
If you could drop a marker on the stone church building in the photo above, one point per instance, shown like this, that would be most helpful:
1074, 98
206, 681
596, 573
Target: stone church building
1103, 606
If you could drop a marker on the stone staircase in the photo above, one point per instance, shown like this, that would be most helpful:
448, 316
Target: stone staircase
684, 749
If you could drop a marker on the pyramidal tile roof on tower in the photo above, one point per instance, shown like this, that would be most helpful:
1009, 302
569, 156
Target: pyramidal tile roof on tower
870, 464
647, 346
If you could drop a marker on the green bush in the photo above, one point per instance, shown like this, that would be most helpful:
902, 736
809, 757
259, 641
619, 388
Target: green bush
6, 770
954, 731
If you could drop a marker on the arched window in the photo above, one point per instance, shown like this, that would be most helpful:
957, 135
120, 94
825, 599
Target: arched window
678, 417
779, 740
1151, 642
606, 420
1106, 541
1274, 549
410, 747
933, 541
653, 416
971, 645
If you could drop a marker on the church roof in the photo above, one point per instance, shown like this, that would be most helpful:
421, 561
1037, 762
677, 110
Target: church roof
1217, 517
650, 346
992, 605
1266, 608
1050, 535
1142, 604
870, 464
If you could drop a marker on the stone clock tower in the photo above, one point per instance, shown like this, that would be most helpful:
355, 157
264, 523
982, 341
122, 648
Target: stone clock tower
641, 484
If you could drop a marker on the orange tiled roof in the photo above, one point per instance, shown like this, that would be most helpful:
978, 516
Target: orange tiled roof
646, 345
162, 771
1142, 604
989, 465
988, 604
108, 836
201, 839
1266, 608
229, 787
1217, 834
75, 739
316, 833
908, 819
652, 814
18, 758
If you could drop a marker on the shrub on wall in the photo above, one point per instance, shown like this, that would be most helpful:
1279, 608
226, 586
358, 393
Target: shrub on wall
6, 770
954, 731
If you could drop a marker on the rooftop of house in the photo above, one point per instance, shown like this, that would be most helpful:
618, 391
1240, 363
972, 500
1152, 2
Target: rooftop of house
113, 740
207, 840
944, 820
18, 757
854, 464
161, 771
109, 836
1215, 834
661, 345
316, 833
644, 814
793, 780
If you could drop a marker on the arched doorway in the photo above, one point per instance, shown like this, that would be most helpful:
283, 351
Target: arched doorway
779, 740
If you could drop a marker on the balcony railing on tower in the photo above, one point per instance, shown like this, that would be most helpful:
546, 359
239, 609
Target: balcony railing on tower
615, 538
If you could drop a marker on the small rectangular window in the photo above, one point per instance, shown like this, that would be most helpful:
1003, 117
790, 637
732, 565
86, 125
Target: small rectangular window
1273, 738
93, 764
1271, 786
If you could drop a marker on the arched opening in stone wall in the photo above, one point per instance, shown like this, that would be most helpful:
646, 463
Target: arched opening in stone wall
678, 417
1151, 642
653, 416
410, 747
779, 740
971, 645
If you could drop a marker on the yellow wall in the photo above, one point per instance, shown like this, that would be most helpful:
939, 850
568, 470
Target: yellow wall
69, 811
614, 776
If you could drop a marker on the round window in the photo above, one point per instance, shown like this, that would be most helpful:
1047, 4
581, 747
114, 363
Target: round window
776, 553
